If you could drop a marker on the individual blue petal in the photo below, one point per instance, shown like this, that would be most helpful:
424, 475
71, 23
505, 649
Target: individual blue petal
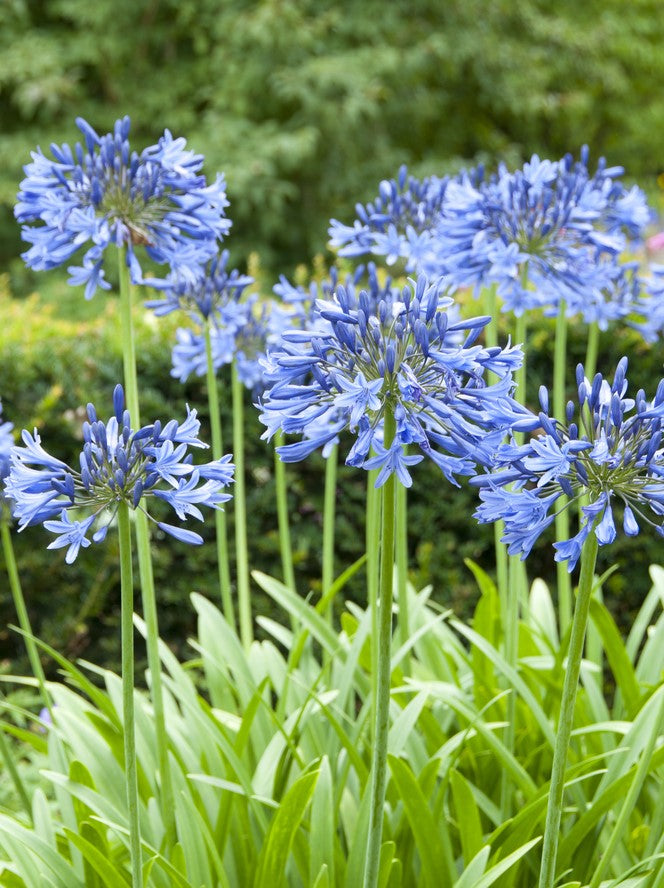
630, 525
184, 536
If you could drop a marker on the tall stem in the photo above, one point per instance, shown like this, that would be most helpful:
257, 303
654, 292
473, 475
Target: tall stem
281, 489
562, 514
145, 561
520, 332
556, 788
240, 506
402, 569
22, 612
491, 339
372, 543
382, 711
221, 532
514, 590
131, 776
329, 510
511, 631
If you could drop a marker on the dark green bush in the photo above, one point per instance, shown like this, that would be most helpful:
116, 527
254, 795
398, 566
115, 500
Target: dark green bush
306, 105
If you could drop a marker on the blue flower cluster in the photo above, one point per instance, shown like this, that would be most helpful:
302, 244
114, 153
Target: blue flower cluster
103, 193
611, 452
547, 232
240, 328
398, 224
369, 353
117, 464
213, 293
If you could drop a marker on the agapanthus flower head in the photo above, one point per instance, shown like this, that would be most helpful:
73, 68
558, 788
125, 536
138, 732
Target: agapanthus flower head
240, 332
117, 465
609, 450
398, 356
399, 223
537, 233
213, 292
102, 193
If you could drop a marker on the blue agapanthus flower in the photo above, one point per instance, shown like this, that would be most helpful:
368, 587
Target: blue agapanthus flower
609, 451
365, 357
305, 315
239, 332
397, 224
103, 193
117, 464
547, 232
213, 293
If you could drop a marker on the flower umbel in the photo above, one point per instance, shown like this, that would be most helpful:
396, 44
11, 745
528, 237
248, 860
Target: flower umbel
398, 353
611, 452
117, 464
103, 193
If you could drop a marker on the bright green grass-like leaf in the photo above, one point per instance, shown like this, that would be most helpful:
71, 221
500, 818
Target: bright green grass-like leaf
37, 852
512, 676
424, 828
543, 613
467, 816
386, 864
499, 869
617, 656
108, 875
322, 830
274, 855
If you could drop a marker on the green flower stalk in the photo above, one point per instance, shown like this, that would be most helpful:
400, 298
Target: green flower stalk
221, 531
128, 720
146, 574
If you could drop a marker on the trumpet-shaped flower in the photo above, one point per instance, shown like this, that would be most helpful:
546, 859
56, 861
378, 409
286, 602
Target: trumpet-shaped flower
400, 353
609, 451
117, 465
102, 193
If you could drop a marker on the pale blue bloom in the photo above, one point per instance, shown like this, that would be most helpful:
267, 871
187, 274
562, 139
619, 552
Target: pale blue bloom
117, 465
369, 352
101, 194
612, 452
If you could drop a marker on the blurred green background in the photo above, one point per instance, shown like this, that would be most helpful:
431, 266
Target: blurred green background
305, 106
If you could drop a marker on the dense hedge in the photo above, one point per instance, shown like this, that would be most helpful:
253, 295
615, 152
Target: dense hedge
307, 104
51, 367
